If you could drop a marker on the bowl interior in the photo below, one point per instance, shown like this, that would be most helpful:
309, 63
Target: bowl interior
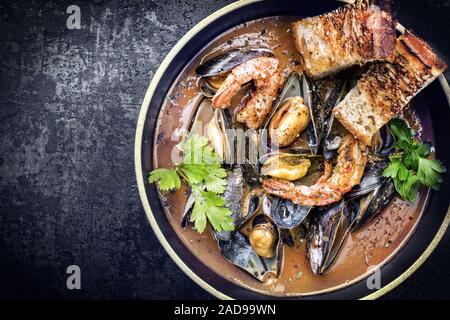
431, 105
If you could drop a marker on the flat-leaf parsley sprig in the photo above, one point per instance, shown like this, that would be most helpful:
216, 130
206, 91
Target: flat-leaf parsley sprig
201, 170
410, 166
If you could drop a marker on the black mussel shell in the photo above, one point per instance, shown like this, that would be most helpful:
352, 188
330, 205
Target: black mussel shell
315, 129
233, 195
329, 91
251, 174
287, 237
332, 94
286, 214
383, 142
372, 179
250, 205
227, 61
239, 252
369, 206
328, 229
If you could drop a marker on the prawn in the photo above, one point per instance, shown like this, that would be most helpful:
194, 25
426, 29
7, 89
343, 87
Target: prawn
267, 79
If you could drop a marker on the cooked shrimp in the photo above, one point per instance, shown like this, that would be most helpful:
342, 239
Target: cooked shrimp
347, 174
268, 80
326, 172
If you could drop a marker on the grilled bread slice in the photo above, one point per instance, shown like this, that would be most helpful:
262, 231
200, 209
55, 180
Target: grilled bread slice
386, 88
350, 35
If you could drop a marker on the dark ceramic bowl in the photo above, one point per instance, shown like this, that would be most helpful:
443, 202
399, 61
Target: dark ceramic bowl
432, 105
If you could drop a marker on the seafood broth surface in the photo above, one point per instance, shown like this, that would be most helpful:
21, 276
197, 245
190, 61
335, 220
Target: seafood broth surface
371, 246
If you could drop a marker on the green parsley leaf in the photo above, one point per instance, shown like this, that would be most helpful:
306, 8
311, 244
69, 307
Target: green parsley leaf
411, 159
392, 169
215, 181
210, 205
197, 151
167, 179
195, 173
218, 215
198, 216
403, 172
423, 150
400, 130
201, 170
410, 167
429, 172
411, 187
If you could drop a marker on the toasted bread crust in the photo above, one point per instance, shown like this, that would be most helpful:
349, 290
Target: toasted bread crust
388, 87
350, 35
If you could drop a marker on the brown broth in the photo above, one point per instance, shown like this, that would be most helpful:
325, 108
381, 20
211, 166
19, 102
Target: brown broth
373, 246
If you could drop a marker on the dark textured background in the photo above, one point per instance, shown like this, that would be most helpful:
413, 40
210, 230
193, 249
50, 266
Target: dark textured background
69, 100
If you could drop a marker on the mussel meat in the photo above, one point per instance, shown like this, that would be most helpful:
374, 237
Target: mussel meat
288, 122
292, 88
328, 229
319, 98
286, 166
263, 236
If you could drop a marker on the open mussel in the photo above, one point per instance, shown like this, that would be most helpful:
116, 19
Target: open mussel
260, 253
329, 227
215, 124
369, 206
239, 252
301, 105
372, 195
315, 129
202, 113
264, 236
213, 71
289, 121
291, 89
